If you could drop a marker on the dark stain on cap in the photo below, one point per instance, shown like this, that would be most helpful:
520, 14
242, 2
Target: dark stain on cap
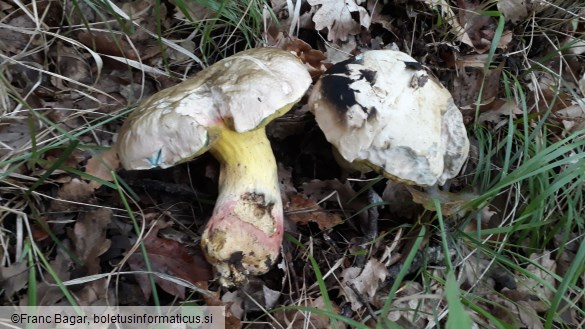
369, 75
341, 67
336, 90
414, 65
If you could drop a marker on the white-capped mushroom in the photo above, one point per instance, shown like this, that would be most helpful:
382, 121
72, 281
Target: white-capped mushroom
224, 109
382, 109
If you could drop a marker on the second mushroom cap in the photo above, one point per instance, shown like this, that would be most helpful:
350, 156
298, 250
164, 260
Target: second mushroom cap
381, 108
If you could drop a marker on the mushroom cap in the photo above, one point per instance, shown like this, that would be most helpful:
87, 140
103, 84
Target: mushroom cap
242, 92
383, 109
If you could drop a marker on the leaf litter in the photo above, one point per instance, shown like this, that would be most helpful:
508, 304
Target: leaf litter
96, 73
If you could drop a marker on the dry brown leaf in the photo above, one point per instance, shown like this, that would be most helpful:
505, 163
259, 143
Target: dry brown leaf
514, 10
290, 16
13, 278
72, 64
232, 321
530, 296
48, 293
538, 292
302, 210
172, 258
38, 233
89, 237
407, 306
103, 42
399, 200
300, 320
364, 282
516, 310
101, 166
478, 30
528, 316
77, 191
56, 154
196, 11
233, 303
451, 203
14, 134
469, 25
14, 40
375, 8
336, 16
342, 51
474, 270
506, 38
94, 291
257, 296
312, 58
139, 9
320, 189
285, 182
572, 117
468, 86
500, 113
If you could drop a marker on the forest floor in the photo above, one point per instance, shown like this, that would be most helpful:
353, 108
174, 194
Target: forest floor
498, 246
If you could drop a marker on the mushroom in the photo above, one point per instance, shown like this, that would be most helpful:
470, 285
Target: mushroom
381, 109
223, 109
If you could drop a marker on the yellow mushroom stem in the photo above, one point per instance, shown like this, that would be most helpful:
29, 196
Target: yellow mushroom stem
244, 234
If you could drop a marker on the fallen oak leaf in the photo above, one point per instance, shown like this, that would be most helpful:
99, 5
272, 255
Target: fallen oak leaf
172, 258
101, 166
302, 210
232, 303
13, 278
88, 237
73, 196
363, 283
344, 194
48, 292
451, 203
107, 43
312, 58
336, 16
470, 26
297, 319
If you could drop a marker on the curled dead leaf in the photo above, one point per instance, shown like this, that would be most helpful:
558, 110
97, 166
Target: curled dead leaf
103, 42
302, 210
337, 17
172, 258
360, 284
101, 166
312, 58
299, 320
13, 278
88, 237
79, 192
543, 267
451, 203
